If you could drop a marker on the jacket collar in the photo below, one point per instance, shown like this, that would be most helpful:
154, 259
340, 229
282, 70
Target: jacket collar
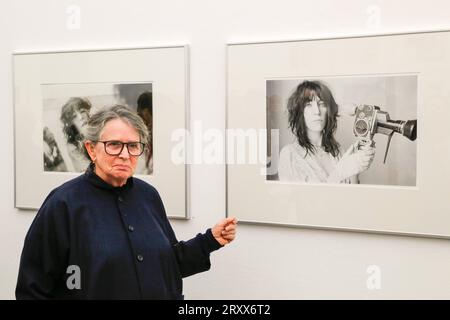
94, 179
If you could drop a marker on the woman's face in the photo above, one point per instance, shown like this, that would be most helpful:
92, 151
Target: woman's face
315, 114
115, 170
80, 119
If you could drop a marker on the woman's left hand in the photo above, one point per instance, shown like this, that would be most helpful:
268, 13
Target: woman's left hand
225, 231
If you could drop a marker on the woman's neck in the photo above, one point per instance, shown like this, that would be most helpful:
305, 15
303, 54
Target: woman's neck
315, 137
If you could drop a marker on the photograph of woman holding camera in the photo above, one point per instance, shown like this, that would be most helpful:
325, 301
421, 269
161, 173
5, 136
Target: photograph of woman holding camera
315, 156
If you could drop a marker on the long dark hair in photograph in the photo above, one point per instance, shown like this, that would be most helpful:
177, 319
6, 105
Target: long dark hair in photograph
303, 94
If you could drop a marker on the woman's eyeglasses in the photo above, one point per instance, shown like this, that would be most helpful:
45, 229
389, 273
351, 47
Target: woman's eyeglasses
114, 148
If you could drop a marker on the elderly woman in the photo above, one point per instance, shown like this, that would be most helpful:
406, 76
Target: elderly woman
105, 234
315, 156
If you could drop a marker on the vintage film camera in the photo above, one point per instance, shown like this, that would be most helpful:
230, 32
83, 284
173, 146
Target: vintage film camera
370, 120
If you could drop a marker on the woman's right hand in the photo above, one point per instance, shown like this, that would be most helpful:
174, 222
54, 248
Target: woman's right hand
365, 153
355, 160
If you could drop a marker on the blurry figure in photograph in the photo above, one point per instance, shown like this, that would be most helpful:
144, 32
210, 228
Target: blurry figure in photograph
53, 160
74, 115
315, 155
145, 111
127, 94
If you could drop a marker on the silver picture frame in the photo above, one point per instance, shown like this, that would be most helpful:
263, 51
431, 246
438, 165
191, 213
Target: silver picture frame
419, 209
166, 68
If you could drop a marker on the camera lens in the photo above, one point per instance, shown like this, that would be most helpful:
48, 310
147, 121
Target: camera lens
361, 127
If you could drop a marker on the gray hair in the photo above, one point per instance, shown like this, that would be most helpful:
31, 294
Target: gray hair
98, 120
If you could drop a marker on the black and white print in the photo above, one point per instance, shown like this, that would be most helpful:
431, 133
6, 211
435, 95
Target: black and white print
391, 99
67, 108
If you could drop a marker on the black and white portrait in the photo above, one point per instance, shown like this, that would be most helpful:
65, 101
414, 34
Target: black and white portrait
349, 129
67, 108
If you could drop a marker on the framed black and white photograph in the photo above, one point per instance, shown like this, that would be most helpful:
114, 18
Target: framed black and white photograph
349, 133
55, 94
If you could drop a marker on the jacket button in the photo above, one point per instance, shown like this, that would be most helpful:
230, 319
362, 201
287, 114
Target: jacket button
130, 228
140, 258
120, 199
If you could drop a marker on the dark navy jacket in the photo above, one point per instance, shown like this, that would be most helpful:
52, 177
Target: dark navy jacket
119, 237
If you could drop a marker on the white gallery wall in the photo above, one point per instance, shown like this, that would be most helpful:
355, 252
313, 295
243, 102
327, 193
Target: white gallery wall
264, 262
